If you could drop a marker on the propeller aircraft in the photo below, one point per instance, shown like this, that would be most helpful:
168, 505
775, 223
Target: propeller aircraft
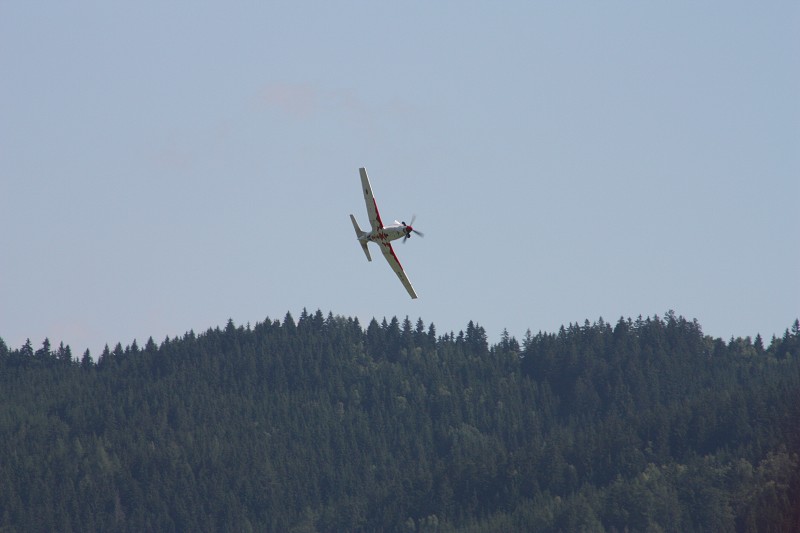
383, 235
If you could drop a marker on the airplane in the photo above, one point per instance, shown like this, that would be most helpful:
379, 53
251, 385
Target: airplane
383, 235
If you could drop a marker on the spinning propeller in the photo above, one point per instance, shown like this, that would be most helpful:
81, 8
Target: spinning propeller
410, 230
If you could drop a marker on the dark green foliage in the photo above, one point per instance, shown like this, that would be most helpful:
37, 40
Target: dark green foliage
320, 425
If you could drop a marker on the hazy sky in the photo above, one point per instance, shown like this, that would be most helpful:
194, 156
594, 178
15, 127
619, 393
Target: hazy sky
165, 166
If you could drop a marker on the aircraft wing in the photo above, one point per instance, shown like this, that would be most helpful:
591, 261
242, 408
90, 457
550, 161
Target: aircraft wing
388, 253
372, 207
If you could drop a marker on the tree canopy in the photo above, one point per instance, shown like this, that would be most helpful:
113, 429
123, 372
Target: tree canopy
320, 424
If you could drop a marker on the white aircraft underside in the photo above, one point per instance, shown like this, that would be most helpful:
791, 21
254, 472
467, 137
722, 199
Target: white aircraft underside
383, 235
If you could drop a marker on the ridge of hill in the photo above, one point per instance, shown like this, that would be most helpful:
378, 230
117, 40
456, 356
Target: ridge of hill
320, 424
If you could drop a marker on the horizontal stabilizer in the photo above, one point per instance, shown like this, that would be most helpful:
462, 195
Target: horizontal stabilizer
360, 234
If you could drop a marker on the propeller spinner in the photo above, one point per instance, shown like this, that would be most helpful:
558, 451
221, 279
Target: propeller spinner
409, 229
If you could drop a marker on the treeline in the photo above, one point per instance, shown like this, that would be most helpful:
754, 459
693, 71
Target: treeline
320, 424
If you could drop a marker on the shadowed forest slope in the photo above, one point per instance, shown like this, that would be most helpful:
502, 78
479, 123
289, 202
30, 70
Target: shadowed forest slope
320, 424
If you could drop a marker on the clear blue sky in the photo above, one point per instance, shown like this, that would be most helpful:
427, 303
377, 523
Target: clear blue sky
165, 166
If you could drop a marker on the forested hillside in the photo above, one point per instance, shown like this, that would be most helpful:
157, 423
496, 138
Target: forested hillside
320, 424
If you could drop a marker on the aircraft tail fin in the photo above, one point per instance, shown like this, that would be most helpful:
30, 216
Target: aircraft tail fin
360, 234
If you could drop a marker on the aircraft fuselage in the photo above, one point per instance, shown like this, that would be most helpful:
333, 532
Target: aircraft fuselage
387, 234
